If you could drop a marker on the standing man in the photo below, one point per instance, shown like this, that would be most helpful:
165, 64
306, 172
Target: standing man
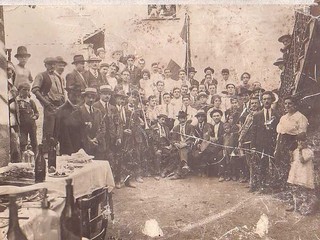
264, 137
92, 76
155, 75
104, 69
66, 131
23, 74
168, 109
48, 88
135, 72
113, 78
182, 79
101, 53
192, 72
90, 122
159, 92
125, 84
76, 78
60, 66
169, 83
212, 89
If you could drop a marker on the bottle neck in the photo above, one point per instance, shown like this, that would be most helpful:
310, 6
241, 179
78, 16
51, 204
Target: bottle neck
69, 195
13, 215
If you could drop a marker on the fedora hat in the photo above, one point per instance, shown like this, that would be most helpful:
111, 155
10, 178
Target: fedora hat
208, 68
22, 51
61, 60
182, 114
78, 59
94, 59
278, 62
283, 37
201, 112
192, 69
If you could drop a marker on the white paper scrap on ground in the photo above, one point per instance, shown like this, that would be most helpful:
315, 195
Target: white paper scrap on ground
152, 229
262, 226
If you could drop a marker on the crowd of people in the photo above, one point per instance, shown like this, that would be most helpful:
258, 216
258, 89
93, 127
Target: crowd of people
147, 124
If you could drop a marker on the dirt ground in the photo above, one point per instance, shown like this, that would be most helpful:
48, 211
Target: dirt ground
202, 208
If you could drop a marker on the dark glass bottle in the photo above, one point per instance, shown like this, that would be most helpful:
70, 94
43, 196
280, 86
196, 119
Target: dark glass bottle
70, 224
52, 154
40, 166
14, 231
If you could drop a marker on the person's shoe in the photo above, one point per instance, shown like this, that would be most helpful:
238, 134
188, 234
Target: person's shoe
228, 179
175, 177
157, 178
221, 179
185, 170
163, 174
130, 184
139, 179
118, 185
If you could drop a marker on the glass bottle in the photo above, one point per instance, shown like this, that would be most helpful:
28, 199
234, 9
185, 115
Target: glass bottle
40, 166
14, 231
52, 154
47, 225
70, 223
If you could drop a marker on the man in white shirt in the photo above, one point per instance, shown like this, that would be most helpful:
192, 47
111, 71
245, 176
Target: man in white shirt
176, 100
189, 110
23, 74
112, 77
152, 111
155, 75
182, 79
212, 89
169, 83
168, 109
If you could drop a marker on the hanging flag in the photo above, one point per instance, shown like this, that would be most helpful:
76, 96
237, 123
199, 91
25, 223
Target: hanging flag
174, 68
185, 35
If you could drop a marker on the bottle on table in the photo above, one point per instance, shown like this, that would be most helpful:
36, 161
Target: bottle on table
70, 224
28, 156
14, 231
52, 153
47, 225
40, 166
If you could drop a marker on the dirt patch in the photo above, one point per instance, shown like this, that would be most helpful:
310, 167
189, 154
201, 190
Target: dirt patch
203, 208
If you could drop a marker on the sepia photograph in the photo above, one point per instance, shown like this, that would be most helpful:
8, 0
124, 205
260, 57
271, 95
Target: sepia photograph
160, 120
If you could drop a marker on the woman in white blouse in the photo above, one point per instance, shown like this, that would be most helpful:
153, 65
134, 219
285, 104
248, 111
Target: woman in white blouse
291, 124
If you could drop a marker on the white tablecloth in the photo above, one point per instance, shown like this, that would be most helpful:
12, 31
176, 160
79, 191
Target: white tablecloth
92, 176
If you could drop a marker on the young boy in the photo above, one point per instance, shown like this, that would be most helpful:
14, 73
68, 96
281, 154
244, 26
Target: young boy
28, 116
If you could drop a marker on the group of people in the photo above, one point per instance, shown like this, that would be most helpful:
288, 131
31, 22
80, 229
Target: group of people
148, 124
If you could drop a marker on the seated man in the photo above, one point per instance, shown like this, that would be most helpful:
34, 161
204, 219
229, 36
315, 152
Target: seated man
182, 139
162, 146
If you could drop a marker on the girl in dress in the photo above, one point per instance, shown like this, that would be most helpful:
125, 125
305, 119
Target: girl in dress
301, 176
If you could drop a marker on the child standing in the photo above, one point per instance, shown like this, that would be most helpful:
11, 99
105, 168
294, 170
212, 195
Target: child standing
301, 176
28, 116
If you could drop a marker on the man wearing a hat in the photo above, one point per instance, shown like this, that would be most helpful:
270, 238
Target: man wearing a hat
162, 146
76, 78
92, 76
182, 139
280, 64
286, 40
101, 53
60, 66
66, 131
135, 72
49, 90
91, 125
23, 74
192, 72
202, 101
104, 69
229, 93
108, 112
244, 103
209, 79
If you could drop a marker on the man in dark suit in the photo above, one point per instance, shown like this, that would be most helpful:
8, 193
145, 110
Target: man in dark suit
182, 139
91, 125
162, 146
202, 129
192, 72
217, 139
76, 77
135, 72
108, 112
66, 131
264, 137
125, 84
93, 76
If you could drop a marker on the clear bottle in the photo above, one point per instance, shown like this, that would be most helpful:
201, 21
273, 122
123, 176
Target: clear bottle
40, 166
47, 225
70, 223
14, 231
28, 156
